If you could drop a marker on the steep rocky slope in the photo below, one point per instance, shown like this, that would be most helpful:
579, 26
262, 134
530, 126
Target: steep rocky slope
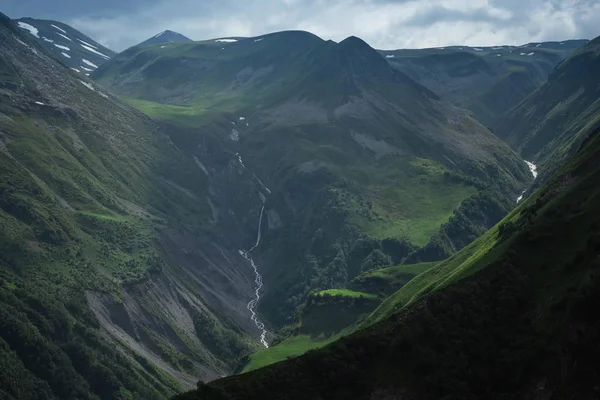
120, 274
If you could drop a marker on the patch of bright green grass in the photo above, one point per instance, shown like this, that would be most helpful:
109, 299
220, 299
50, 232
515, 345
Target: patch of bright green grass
292, 347
394, 272
472, 258
410, 198
166, 112
346, 293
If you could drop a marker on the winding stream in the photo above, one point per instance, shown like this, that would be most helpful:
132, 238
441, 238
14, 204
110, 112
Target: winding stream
259, 284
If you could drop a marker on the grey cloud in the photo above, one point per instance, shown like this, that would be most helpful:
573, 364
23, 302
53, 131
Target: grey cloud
382, 23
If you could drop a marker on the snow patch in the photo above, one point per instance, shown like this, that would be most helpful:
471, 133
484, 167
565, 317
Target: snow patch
62, 47
538, 45
40, 103
242, 118
226, 40
47, 40
66, 37
390, 56
88, 85
32, 29
498, 55
235, 136
86, 69
523, 54
88, 48
60, 29
530, 54
521, 196
65, 54
162, 47
258, 40
240, 159
160, 34
477, 49
86, 43
497, 48
532, 168
91, 64
75, 69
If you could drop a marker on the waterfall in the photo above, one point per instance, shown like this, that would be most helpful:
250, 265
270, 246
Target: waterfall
259, 284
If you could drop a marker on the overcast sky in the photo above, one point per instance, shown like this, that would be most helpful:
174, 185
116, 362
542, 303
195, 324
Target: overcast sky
384, 24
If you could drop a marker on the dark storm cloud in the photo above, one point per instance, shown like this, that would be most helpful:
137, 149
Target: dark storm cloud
383, 23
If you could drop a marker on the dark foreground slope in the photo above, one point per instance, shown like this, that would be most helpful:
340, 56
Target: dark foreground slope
550, 124
524, 326
115, 280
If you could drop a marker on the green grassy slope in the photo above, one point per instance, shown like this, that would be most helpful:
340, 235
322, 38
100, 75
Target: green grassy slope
511, 316
550, 124
354, 152
88, 188
486, 80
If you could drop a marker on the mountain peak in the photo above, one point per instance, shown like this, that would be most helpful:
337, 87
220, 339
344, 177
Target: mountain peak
166, 36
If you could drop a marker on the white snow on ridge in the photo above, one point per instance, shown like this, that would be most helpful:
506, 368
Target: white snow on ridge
32, 29
62, 47
91, 45
538, 45
390, 56
75, 69
47, 40
66, 37
91, 64
88, 85
88, 48
226, 40
60, 29
160, 34
497, 48
65, 54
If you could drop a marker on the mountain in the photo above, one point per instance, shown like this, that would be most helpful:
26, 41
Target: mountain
510, 316
120, 271
486, 80
166, 37
550, 124
67, 44
365, 167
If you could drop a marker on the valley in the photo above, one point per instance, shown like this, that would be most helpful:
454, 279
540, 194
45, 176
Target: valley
272, 216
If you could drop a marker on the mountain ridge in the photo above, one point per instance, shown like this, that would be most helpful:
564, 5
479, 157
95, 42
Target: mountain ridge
68, 45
